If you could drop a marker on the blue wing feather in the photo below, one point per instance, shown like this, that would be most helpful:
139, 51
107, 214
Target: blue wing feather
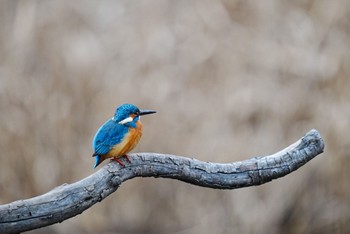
108, 135
97, 161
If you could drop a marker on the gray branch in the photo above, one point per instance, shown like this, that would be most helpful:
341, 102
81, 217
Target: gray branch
69, 200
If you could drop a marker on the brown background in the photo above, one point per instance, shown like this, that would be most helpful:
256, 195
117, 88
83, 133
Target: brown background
229, 79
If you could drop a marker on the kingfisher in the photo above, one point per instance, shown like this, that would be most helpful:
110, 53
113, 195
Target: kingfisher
119, 135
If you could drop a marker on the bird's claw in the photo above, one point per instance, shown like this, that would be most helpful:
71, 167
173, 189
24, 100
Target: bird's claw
120, 162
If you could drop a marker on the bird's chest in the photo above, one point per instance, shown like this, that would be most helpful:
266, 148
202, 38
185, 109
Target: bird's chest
132, 137
135, 135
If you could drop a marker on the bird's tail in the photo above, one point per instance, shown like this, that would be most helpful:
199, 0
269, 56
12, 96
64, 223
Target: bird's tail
98, 160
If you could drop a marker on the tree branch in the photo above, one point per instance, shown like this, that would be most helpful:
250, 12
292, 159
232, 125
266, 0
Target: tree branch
69, 200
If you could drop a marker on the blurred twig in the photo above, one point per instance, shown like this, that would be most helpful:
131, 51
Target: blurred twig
69, 200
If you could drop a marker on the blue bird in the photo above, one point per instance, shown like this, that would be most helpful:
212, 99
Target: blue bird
119, 135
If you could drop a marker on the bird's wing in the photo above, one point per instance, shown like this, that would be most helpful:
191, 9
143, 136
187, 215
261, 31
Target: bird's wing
107, 136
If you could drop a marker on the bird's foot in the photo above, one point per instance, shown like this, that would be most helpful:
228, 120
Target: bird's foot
118, 161
127, 158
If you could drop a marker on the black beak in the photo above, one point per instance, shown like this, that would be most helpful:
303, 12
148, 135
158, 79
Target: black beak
147, 112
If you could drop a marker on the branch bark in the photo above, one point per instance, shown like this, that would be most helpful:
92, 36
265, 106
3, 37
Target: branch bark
69, 200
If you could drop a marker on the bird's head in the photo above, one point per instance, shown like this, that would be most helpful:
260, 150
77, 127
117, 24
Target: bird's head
128, 114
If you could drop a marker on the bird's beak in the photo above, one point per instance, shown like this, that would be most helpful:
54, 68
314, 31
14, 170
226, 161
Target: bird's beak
147, 112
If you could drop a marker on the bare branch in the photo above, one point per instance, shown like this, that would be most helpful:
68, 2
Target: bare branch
69, 200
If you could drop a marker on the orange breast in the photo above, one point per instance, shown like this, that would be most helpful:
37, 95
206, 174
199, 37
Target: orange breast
129, 142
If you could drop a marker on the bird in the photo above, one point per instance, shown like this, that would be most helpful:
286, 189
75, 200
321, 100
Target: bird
119, 135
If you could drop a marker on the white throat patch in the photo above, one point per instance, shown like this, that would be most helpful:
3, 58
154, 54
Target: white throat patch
126, 120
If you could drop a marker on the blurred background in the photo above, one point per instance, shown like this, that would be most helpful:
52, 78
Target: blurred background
230, 80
